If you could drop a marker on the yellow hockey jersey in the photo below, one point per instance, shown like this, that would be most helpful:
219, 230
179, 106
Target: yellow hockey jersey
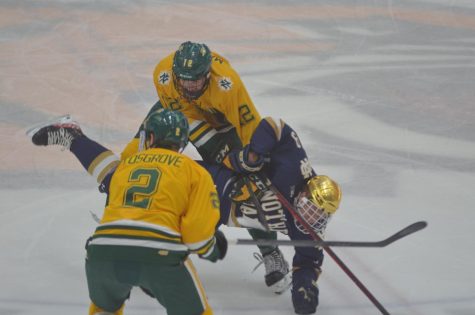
225, 102
161, 199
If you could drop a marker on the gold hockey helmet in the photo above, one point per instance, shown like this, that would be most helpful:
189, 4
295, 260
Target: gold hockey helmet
318, 202
325, 193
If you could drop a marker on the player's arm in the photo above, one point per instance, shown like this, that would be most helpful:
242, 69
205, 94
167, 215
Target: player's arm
267, 135
252, 157
198, 225
135, 144
240, 110
162, 75
213, 145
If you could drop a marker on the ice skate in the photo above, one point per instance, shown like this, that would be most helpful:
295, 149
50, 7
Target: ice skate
277, 276
58, 131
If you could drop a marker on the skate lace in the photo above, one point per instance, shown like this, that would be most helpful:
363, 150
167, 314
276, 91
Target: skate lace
260, 260
272, 262
60, 137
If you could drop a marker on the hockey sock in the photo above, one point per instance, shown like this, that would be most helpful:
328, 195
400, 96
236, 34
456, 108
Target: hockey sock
96, 159
262, 235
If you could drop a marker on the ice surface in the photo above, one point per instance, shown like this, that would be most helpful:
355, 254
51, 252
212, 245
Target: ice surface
381, 93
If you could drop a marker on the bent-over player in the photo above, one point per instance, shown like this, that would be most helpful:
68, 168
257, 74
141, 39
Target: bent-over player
275, 152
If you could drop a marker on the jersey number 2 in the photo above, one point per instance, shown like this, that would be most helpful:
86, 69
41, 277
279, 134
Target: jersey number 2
144, 184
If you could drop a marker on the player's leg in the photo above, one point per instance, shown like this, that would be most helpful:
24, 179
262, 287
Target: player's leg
65, 132
177, 287
307, 264
277, 275
106, 292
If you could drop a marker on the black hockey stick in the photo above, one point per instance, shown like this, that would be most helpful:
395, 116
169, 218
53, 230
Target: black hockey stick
262, 179
255, 200
417, 226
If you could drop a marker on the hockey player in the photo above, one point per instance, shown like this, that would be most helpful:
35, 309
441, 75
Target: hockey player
161, 206
203, 85
277, 152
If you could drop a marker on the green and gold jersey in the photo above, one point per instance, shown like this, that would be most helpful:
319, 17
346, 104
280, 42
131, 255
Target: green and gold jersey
161, 199
211, 144
224, 104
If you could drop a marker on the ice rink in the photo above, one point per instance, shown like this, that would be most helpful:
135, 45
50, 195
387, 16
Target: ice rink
382, 94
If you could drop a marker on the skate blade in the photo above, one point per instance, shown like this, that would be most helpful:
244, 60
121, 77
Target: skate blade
282, 285
57, 120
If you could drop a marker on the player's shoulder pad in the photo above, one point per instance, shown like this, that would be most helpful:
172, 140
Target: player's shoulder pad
162, 74
218, 59
223, 76
276, 124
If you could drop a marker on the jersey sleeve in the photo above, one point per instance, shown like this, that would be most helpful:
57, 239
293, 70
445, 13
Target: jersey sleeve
267, 135
198, 224
162, 77
240, 111
211, 144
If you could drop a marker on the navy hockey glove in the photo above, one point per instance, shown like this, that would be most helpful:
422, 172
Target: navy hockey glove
239, 161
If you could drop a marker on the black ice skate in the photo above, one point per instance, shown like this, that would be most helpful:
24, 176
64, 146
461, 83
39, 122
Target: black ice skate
59, 131
277, 276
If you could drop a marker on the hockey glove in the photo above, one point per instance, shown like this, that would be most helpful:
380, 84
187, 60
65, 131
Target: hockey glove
239, 161
221, 244
218, 251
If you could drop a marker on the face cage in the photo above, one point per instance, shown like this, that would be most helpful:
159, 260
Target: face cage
314, 216
192, 89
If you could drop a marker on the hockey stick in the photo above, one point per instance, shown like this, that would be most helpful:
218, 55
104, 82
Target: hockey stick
255, 200
417, 226
95, 217
264, 180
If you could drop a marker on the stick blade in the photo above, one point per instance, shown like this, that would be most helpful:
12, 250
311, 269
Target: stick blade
413, 228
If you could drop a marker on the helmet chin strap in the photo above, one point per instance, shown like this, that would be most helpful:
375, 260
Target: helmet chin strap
142, 140
148, 141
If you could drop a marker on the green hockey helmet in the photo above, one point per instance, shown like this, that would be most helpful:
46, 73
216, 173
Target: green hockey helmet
169, 129
191, 69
